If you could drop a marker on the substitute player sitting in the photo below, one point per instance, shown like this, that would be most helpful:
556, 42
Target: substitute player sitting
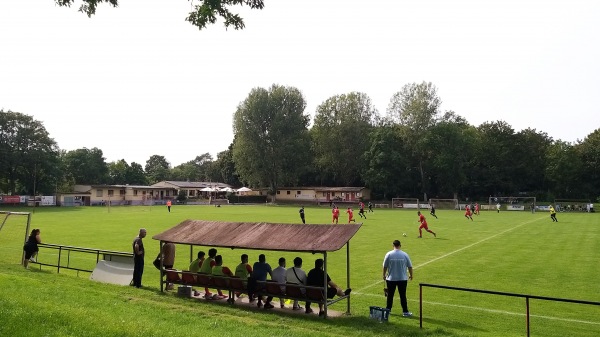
424, 225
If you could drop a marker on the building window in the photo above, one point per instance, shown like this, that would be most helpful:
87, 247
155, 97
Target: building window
111, 193
121, 192
98, 193
333, 194
168, 193
278, 192
298, 192
143, 192
135, 192
324, 194
288, 192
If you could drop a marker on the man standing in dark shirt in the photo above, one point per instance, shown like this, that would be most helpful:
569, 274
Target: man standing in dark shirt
138, 258
301, 211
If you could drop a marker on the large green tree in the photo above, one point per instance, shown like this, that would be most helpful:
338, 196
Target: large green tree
122, 173
194, 170
589, 152
495, 167
340, 136
450, 143
204, 12
271, 145
28, 156
86, 166
226, 167
136, 175
388, 171
563, 170
157, 169
117, 171
529, 160
416, 108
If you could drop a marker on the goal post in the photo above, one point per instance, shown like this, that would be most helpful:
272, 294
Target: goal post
513, 203
410, 203
13, 232
443, 203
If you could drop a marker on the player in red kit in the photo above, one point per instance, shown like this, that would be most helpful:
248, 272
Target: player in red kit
350, 215
476, 209
468, 213
336, 214
424, 225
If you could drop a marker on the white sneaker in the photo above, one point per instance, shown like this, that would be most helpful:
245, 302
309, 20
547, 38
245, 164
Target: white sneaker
407, 314
32, 259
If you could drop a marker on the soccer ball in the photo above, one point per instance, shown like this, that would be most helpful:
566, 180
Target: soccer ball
403, 234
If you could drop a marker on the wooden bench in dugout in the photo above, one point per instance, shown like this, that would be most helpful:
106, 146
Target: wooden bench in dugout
173, 276
235, 285
298, 292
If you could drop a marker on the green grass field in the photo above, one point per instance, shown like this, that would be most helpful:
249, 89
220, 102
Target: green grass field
516, 252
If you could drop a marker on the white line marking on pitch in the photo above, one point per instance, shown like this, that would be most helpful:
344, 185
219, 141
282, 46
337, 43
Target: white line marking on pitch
496, 311
458, 250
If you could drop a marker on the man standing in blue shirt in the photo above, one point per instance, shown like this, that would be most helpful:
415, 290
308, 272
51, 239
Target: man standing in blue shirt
395, 264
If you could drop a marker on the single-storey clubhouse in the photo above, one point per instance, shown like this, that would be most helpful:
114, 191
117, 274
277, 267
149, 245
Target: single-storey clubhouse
323, 194
159, 193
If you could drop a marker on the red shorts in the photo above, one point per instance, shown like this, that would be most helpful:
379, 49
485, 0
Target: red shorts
423, 225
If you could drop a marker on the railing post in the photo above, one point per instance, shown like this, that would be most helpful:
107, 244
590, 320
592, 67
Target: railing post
59, 256
527, 308
69, 258
420, 306
348, 274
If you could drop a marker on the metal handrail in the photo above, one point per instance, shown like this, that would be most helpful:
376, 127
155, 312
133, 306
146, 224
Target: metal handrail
492, 292
69, 249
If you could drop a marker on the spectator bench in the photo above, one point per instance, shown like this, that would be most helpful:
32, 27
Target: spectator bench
235, 285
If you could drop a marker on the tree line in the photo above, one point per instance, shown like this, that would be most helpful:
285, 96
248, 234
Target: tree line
414, 150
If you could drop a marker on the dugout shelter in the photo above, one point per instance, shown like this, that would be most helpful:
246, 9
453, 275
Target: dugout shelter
311, 238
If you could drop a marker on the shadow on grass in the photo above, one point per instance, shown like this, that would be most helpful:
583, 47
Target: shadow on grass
454, 325
396, 326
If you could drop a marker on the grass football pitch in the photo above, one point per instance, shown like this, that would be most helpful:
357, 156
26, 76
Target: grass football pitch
515, 252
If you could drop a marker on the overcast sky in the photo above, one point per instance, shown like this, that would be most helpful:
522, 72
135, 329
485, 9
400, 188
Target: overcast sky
139, 80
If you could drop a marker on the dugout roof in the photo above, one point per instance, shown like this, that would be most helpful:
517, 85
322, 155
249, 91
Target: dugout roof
313, 238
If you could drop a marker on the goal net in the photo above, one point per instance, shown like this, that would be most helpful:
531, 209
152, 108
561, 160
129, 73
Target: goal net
513, 203
411, 203
571, 205
444, 203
